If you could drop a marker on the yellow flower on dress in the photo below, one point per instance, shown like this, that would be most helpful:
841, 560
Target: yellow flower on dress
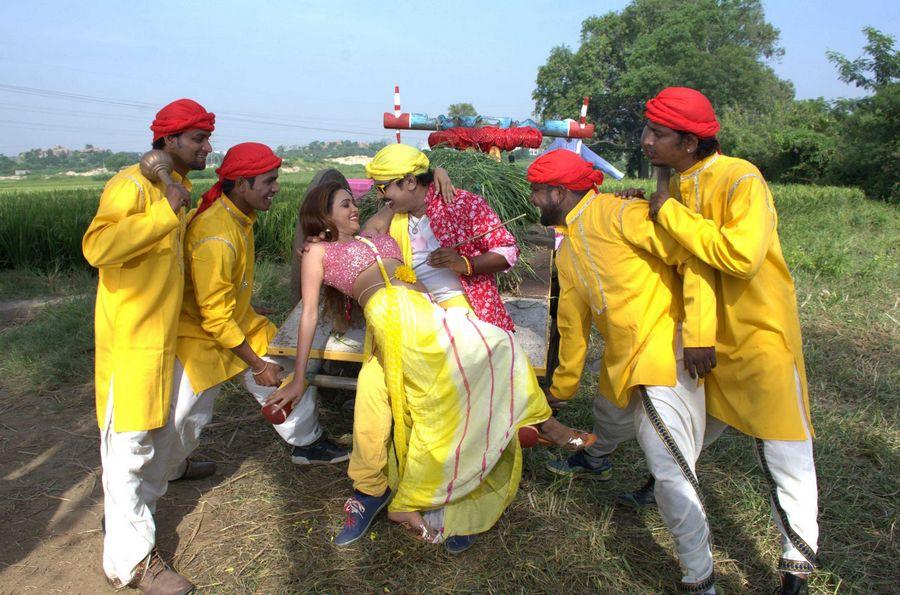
405, 274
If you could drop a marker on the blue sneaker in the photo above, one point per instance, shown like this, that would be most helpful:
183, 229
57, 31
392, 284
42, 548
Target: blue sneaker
361, 509
578, 465
321, 452
459, 543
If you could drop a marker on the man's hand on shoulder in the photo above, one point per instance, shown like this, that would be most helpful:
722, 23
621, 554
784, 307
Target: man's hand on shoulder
309, 241
630, 193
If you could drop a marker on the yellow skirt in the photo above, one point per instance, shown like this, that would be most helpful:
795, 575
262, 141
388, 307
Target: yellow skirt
460, 388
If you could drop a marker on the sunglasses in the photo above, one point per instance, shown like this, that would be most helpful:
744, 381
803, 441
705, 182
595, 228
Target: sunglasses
385, 185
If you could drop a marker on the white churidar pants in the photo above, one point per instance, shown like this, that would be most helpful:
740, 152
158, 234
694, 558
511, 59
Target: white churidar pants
789, 468
137, 466
681, 411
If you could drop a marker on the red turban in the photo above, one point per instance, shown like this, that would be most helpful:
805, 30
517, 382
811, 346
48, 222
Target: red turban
683, 109
243, 160
562, 167
179, 116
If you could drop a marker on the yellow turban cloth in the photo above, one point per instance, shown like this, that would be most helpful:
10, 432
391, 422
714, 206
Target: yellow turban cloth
395, 161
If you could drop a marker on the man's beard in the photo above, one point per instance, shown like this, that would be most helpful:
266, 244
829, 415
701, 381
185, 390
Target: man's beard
551, 215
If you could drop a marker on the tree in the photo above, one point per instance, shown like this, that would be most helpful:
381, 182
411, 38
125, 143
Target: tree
797, 141
7, 166
880, 68
870, 155
461, 109
717, 46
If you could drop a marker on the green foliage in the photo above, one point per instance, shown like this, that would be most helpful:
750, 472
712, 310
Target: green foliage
798, 141
461, 109
881, 67
7, 166
43, 230
718, 47
318, 150
52, 351
870, 156
59, 159
871, 130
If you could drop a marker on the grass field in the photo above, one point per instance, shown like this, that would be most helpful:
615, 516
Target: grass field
266, 526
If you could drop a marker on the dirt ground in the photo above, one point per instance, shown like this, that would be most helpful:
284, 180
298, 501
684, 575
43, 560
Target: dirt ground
51, 498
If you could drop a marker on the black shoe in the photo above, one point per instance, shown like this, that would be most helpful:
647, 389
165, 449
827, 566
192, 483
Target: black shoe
321, 452
459, 543
196, 470
792, 584
641, 497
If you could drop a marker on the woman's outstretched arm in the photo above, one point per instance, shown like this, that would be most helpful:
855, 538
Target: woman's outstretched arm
312, 273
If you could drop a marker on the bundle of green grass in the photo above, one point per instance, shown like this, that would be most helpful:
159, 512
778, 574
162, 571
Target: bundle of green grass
504, 187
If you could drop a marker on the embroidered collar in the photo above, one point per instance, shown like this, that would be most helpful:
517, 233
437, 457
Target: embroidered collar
236, 213
579, 208
700, 166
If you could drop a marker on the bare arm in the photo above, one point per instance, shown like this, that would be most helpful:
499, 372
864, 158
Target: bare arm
310, 286
379, 223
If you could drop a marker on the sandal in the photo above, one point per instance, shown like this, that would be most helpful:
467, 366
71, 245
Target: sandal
579, 440
422, 533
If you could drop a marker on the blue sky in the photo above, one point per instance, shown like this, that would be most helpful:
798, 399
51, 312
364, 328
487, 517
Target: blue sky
322, 69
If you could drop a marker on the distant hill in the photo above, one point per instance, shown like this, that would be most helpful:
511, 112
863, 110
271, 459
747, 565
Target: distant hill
62, 159
92, 160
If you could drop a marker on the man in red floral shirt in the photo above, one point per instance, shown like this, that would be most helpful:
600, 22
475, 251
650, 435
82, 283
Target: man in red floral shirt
427, 228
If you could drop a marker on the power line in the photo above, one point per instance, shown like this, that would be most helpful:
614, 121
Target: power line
236, 116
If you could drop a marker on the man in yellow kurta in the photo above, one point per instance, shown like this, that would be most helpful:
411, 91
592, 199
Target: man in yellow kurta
220, 335
135, 242
618, 270
720, 208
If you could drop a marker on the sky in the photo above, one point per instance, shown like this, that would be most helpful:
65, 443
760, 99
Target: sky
288, 72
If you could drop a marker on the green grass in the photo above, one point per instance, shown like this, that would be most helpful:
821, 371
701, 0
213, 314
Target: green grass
559, 536
41, 228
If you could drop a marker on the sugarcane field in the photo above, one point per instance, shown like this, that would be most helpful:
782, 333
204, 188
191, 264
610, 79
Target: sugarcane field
475, 298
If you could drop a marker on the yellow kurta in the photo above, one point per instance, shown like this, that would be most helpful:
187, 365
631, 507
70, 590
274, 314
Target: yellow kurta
217, 315
135, 242
728, 220
615, 268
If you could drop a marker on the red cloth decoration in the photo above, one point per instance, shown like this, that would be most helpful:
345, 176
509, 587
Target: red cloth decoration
562, 167
181, 115
683, 109
243, 160
506, 139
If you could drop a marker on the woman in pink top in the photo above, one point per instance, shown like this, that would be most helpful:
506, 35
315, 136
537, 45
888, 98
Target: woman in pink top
460, 389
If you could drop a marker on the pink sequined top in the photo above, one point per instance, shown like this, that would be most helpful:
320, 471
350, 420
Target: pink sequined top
344, 261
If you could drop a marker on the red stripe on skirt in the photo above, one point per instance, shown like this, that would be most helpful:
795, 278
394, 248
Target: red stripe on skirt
468, 409
491, 410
